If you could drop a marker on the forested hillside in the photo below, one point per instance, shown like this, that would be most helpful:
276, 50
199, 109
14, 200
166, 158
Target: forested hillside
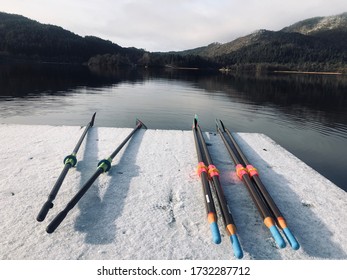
23, 38
317, 44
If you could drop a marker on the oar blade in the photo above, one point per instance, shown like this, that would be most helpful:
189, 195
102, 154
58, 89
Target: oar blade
141, 124
195, 123
92, 120
222, 124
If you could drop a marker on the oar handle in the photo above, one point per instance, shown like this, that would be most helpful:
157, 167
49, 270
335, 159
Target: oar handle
56, 221
215, 233
277, 236
291, 239
44, 210
49, 203
236, 246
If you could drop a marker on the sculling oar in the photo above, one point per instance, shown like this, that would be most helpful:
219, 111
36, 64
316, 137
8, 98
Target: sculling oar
69, 161
209, 204
103, 167
255, 195
253, 173
226, 215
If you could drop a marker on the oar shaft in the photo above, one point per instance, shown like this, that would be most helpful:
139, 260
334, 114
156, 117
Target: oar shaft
121, 145
226, 215
61, 216
280, 220
210, 207
103, 166
60, 180
255, 195
90, 124
267, 197
76, 198
49, 203
69, 162
209, 204
243, 175
237, 147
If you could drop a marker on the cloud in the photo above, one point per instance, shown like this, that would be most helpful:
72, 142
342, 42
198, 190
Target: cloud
162, 25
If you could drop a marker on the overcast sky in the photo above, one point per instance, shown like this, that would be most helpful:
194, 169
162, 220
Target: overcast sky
163, 25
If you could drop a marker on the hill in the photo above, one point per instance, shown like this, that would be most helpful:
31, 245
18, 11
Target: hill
316, 44
319, 25
23, 38
313, 44
332, 28
26, 39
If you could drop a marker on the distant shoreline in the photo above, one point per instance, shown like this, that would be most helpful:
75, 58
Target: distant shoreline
307, 72
181, 67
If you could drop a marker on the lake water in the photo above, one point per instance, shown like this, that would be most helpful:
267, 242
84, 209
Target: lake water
306, 114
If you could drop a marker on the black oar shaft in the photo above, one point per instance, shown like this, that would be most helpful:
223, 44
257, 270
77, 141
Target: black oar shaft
208, 198
103, 166
61, 216
84, 189
279, 218
90, 124
259, 203
277, 213
254, 193
49, 203
59, 181
264, 211
69, 162
226, 215
267, 197
121, 145
210, 207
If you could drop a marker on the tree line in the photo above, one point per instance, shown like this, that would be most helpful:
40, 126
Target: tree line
22, 38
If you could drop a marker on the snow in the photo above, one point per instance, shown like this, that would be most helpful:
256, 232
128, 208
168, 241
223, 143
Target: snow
149, 206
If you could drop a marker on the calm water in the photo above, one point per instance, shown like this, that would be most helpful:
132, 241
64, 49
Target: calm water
305, 114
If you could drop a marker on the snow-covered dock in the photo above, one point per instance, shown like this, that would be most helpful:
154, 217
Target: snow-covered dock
150, 204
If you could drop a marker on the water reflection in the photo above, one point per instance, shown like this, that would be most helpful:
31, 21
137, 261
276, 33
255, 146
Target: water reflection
306, 114
23, 80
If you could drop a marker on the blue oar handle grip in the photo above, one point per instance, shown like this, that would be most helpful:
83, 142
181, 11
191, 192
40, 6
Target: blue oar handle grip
291, 239
236, 246
215, 233
277, 236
